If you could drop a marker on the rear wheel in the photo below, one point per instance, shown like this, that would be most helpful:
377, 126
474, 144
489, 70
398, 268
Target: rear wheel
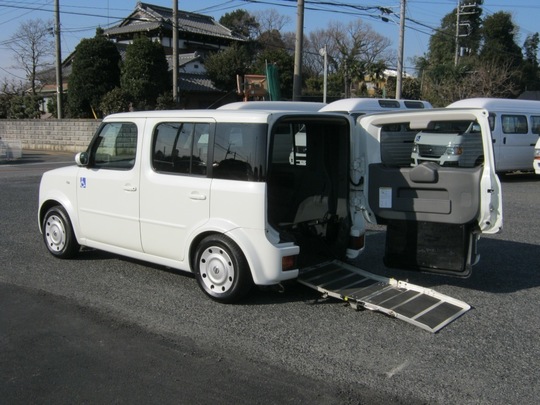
58, 233
222, 270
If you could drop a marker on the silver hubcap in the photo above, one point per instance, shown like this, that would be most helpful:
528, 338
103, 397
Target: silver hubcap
217, 269
55, 233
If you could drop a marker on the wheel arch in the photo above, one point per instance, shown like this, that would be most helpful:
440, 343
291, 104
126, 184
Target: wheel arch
243, 244
264, 259
48, 204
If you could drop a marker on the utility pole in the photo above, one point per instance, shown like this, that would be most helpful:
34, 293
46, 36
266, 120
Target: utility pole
462, 10
323, 52
399, 76
456, 54
176, 97
297, 79
59, 83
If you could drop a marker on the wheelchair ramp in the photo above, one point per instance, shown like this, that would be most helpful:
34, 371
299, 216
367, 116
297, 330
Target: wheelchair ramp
419, 306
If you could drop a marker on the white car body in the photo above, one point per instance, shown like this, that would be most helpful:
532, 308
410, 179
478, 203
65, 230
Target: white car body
214, 192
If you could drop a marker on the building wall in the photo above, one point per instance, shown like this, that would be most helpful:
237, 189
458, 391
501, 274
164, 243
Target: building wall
67, 135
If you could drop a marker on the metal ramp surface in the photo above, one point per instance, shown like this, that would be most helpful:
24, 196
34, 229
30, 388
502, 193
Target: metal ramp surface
419, 306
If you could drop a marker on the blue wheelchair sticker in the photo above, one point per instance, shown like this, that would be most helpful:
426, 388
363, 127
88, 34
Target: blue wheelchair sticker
83, 182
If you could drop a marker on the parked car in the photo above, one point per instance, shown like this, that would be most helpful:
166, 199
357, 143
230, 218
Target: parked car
213, 192
515, 128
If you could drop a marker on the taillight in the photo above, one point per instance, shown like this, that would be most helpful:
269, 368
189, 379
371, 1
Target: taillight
357, 242
288, 263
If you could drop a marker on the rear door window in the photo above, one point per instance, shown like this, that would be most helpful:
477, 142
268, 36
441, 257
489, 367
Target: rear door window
181, 147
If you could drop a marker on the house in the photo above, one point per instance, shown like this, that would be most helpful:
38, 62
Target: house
197, 36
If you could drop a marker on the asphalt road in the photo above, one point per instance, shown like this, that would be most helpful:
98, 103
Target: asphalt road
103, 329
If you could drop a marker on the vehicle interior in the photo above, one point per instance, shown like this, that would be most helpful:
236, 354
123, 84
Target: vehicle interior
308, 194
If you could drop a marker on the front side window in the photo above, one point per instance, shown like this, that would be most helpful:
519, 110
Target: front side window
115, 146
181, 147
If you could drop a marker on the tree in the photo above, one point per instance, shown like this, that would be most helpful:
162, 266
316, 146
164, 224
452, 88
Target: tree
32, 45
145, 73
114, 101
241, 23
442, 44
9, 90
530, 47
224, 65
276, 54
531, 71
25, 106
499, 34
95, 72
354, 49
270, 20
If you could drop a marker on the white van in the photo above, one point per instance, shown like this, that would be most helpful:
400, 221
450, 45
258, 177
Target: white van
356, 107
515, 128
274, 106
213, 192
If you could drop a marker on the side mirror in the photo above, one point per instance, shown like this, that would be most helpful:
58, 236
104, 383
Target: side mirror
81, 159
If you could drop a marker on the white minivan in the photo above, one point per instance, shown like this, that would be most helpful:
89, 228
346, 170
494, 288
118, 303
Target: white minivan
213, 192
515, 129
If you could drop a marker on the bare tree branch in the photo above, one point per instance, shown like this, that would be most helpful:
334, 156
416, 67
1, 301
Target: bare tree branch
33, 47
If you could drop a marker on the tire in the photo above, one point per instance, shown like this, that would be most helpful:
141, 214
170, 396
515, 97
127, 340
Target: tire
58, 233
221, 269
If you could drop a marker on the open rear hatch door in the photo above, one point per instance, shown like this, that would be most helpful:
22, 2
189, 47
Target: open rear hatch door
434, 212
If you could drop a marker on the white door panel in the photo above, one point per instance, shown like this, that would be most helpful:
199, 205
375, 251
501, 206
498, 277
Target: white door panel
109, 207
433, 213
172, 206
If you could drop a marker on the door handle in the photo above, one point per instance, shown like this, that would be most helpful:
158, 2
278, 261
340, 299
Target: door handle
129, 187
197, 196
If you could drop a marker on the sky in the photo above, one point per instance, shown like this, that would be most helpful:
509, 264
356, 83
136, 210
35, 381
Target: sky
80, 18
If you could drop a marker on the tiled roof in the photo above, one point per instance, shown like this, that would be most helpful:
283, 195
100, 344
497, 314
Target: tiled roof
134, 27
184, 58
150, 17
190, 82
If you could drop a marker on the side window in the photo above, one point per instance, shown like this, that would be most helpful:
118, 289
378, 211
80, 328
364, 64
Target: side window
449, 144
514, 124
180, 147
396, 144
115, 147
282, 147
492, 119
535, 124
289, 145
299, 155
239, 151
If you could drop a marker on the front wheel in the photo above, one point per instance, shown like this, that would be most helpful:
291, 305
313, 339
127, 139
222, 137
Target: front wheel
222, 270
58, 233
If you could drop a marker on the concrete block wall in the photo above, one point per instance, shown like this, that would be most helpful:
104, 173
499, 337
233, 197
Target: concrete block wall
66, 135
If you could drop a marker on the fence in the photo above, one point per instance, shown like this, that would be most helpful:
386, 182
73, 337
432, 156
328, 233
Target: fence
67, 135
